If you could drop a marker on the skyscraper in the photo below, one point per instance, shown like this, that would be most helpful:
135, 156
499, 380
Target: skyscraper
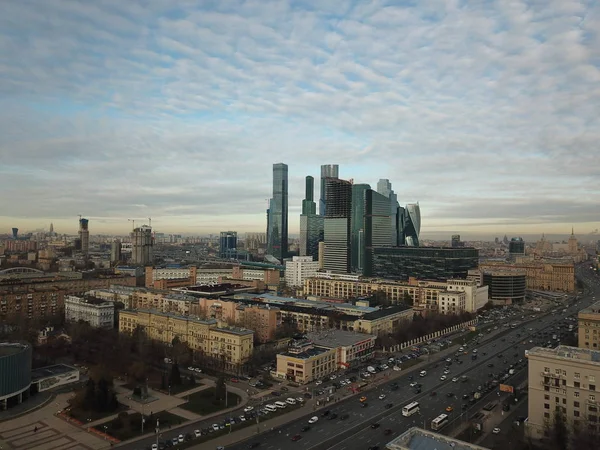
357, 226
311, 225
142, 246
115, 251
384, 187
412, 225
227, 244
378, 227
277, 234
84, 236
337, 225
327, 171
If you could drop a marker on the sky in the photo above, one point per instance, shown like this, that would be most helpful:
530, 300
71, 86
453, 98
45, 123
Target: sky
485, 112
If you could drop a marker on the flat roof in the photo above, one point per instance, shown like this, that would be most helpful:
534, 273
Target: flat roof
51, 371
594, 308
416, 438
337, 338
308, 353
11, 348
386, 312
566, 353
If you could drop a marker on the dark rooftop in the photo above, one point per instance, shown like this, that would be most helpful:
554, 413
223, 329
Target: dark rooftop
11, 348
50, 371
308, 353
385, 312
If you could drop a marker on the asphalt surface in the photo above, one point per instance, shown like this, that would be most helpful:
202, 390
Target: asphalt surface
356, 433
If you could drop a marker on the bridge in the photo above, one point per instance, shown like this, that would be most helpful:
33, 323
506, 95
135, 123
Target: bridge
20, 270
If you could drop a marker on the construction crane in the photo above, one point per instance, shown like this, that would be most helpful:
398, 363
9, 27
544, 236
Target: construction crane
132, 220
150, 222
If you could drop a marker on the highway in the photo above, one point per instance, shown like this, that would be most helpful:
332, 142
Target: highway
355, 432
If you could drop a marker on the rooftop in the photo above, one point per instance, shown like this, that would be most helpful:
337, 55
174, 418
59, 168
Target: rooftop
419, 439
338, 338
386, 312
11, 348
567, 353
212, 288
51, 371
89, 299
308, 353
592, 309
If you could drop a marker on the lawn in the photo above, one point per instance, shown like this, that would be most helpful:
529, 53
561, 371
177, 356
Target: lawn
130, 426
203, 402
85, 416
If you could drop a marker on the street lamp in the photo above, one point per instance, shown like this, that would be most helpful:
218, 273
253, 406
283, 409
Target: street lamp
157, 431
105, 432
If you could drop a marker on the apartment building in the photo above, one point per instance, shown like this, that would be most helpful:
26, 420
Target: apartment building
351, 348
162, 300
543, 275
424, 295
452, 302
588, 324
24, 302
226, 347
97, 312
305, 362
299, 269
564, 380
170, 277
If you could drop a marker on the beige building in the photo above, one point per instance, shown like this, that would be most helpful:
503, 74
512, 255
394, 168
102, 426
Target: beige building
555, 276
305, 362
162, 300
351, 347
425, 295
588, 324
97, 312
563, 379
229, 346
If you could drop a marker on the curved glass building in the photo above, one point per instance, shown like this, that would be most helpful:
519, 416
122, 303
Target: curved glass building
412, 224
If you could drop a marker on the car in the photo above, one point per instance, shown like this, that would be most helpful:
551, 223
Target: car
296, 437
318, 382
413, 384
197, 433
449, 409
254, 445
455, 379
450, 394
234, 380
248, 408
363, 399
446, 371
465, 396
191, 369
180, 438
305, 428
174, 441
443, 378
215, 427
332, 416
154, 447
490, 365
375, 425
284, 389
364, 405
325, 413
394, 388
313, 419
382, 397
496, 430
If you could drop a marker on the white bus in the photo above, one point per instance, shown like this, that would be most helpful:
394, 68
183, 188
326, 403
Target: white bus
410, 409
439, 422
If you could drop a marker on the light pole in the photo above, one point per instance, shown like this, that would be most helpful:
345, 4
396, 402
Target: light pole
105, 432
157, 431
143, 420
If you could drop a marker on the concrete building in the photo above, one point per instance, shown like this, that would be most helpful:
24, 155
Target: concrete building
142, 246
227, 244
351, 347
115, 251
172, 276
564, 380
227, 348
97, 312
419, 439
588, 324
15, 373
543, 275
163, 300
299, 269
84, 236
305, 362
21, 301
505, 286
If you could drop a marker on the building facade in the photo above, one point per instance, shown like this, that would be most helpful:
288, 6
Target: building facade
357, 227
543, 275
15, 373
97, 312
305, 362
327, 171
227, 244
229, 346
177, 276
162, 300
311, 234
563, 380
377, 228
351, 347
505, 286
426, 263
412, 225
299, 269
337, 225
142, 246
588, 324
277, 232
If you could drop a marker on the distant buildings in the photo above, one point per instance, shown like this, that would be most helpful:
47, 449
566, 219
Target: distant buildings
227, 244
277, 221
224, 348
170, 277
97, 312
516, 248
299, 269
543, 275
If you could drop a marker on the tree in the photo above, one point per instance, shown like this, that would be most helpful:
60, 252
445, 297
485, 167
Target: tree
89, 399
175, 375
408, 299
220, 389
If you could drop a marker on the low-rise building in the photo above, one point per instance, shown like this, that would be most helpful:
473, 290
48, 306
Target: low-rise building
351, 348
163, 300
97, 312
419, 439
305, 362
544, 275
299, 269
170, 277
223, 347
563, 380
588, 324
383, 321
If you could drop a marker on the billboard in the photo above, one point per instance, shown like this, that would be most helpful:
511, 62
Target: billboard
507, 388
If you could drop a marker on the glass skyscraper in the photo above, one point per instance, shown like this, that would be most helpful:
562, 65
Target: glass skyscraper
277, 232
228, 244
311, 225
384, 187
357, 226
327, 171
337, 225
378, 227
412, 225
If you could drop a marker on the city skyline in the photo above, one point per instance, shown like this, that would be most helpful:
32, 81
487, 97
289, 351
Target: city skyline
488, 116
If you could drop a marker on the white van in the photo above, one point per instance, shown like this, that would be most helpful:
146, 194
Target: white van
423, 373
291, 401
371, 369
271, 408
281, 405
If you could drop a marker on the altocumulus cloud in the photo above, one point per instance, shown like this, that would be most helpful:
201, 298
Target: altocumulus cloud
483, 111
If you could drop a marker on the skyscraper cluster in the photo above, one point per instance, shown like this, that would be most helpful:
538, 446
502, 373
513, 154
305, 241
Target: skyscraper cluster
352, 222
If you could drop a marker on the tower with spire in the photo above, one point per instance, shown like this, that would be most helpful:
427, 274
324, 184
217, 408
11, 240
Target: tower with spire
51, 228
573, 244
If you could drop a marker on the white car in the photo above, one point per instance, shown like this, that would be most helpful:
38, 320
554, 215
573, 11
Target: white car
455, 379
313, 419
154, 447
248, 408
382, 396
496, 430
413, 384
180, 438
215, 427
191, 369
446, 371
333, 377
299, 399
397, 368
197, 433
198, 370
318, 382
443, 378
243, 418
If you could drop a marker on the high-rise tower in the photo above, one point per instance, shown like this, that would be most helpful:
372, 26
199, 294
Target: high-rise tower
308, 204
277, 234
142, 244
227, 244
311, 225
412, 224
378, 227
84, 236
327, 171
357, 226
337, 225
384, 187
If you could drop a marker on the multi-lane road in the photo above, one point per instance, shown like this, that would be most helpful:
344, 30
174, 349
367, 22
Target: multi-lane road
355, 431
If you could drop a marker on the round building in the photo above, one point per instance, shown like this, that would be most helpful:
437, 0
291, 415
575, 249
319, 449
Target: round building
15, 373
505, 287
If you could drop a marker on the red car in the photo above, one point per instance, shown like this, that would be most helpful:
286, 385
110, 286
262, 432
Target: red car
296, 437
235, 380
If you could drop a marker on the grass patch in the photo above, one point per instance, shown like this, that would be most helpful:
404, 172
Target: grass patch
86, 416
203, 402
129, 426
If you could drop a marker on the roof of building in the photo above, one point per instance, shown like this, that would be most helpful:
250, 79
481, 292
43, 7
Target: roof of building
565, 352
89, 299
385, 312
419, 439
338, 338
592, 309
51, 371
11, 348
307, 353
301, 302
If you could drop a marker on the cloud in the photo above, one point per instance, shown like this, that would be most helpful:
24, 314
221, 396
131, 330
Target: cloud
182, 108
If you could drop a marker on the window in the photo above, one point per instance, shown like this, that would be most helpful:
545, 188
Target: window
576, 413
577, 375
546, 406
576, 404
576, 384
576, 394
592, 397
556, 399
546, 397
546, 369
592, 387
592, 378
546, 415
564, 401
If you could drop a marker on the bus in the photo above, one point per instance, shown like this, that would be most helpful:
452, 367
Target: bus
410, 409
439, 422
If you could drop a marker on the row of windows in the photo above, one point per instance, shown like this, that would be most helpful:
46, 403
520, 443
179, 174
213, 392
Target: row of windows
576, 375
